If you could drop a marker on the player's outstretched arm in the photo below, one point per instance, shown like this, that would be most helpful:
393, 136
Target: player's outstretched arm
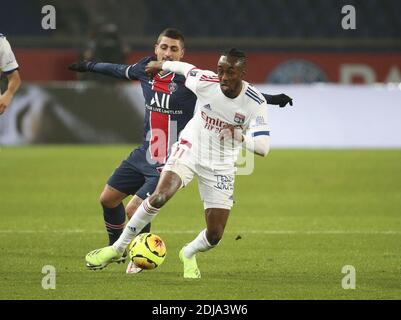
118, 71
279, 99
179, 67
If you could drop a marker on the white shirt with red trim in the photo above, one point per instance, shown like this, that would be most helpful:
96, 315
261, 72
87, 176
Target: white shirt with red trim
248, 111
7, 58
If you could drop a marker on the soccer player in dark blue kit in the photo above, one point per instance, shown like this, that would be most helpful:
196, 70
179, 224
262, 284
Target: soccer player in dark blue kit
169, 106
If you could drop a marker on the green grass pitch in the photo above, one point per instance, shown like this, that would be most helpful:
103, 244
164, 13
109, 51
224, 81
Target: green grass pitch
302, 216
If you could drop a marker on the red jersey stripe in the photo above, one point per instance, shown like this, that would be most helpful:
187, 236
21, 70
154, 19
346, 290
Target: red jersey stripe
158, 146
161, 83
209, 80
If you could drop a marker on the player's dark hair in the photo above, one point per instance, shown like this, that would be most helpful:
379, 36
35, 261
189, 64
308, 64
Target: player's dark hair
173, 34
236, 53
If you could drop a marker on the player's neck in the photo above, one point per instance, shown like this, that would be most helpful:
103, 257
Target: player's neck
236, 93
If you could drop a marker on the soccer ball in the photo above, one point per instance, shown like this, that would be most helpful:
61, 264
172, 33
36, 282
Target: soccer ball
147, 251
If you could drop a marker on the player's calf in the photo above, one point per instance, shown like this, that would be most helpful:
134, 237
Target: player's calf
158, 199
169, 184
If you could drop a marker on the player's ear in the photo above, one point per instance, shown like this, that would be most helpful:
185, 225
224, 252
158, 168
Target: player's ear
182, 53
156, 47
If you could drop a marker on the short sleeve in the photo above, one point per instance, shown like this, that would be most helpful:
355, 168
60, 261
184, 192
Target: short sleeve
192, 80
197, 78
7, 58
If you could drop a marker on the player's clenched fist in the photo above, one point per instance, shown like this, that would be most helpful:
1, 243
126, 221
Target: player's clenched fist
153, 67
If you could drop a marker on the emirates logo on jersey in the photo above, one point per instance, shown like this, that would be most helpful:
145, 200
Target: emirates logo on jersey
212, 124
239, 118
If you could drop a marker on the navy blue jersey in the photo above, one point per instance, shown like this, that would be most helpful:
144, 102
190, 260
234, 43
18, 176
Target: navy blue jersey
169, 105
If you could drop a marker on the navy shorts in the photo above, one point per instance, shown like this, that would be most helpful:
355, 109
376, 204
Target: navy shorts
129, 180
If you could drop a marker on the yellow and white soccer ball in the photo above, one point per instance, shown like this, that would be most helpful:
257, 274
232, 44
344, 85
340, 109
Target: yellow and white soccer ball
147, 251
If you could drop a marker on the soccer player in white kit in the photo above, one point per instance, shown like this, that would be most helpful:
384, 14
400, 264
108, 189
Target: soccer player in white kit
9, 66
230, 114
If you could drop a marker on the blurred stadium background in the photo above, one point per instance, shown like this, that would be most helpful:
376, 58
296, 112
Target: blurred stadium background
288, 42
305, 213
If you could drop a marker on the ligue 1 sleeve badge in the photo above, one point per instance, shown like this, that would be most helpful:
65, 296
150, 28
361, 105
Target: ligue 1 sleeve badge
239, 118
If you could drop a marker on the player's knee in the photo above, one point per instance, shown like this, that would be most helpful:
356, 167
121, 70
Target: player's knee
106, 201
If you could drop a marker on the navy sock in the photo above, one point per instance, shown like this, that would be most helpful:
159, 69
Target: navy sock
114, 220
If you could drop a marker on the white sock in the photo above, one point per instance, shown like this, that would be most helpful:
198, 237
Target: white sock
142, 216
200, 244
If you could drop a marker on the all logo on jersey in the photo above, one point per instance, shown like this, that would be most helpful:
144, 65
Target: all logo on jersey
162, 101
208, 107
193, 73
239, 118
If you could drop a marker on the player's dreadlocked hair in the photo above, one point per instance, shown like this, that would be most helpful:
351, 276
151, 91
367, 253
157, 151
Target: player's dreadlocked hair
173, 34
236, 53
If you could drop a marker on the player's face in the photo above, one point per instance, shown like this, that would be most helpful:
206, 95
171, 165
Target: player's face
169, 49
230, 72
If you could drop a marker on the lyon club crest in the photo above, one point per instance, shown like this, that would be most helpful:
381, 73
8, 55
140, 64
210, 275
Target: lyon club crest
239, 118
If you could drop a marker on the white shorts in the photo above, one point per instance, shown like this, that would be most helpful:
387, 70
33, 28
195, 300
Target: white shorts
216, 186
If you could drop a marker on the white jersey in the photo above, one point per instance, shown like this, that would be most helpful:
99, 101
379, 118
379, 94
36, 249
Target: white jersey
7, 58
248, 111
